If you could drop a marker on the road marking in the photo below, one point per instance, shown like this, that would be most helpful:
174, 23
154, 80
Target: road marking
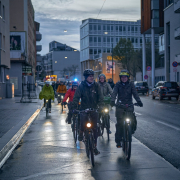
171, 126
138, 113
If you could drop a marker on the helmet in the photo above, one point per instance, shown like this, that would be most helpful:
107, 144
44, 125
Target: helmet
88, 72
47, 82
103, 76
124, 73
75, 83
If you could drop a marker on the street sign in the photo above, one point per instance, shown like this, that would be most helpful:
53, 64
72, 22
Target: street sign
174, 64
146, 77
174, 69
149, 68
26, 70
38, 68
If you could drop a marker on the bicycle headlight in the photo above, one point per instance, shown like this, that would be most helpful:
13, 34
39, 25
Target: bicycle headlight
106, 110
127, 120
46, 101
88, 125
62, 96
58, 95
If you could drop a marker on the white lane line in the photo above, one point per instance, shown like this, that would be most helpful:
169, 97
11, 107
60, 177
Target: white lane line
138, 113
171, 126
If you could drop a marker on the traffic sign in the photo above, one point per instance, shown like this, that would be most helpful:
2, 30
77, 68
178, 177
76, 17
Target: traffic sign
149, 68
38, 68
146, 77
174, 64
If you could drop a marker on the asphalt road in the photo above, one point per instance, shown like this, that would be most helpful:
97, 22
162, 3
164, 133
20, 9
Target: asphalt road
159, 128
47, 150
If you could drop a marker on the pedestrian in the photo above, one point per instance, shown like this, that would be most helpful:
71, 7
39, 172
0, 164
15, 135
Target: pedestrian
111, 83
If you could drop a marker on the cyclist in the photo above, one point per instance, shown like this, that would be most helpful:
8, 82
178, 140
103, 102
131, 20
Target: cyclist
70, 94
111, 83
105, 89
61, 88
91, 97
47, 93
124, 89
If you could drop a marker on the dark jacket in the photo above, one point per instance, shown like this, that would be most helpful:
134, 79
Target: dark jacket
91, 96
111, 84
125, 93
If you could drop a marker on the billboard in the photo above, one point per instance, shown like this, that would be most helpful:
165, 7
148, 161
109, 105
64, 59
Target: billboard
17, 44
109, 67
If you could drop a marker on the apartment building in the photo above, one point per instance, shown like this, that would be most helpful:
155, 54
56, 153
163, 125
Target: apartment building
4, 46
22, 43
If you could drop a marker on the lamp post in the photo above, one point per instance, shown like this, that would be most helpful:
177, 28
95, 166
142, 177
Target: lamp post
112, 61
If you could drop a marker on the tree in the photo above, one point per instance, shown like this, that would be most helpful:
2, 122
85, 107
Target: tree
70, 71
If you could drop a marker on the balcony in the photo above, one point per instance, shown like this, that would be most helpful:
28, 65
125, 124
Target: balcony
177, 6
154, 4
38, 36
154, 23
177, 33
38, 48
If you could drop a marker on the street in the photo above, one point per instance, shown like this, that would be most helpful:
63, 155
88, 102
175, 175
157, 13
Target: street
47, 150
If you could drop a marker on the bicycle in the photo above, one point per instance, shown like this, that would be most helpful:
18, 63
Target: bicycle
47, 107
105, 117
128, 125
75, 126
88, 138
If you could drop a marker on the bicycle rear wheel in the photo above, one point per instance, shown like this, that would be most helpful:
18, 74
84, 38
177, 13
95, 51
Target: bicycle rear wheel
102, 127
75, 126
128, 143
62, 109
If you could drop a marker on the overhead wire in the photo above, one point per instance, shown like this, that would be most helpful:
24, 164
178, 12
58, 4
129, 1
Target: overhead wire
101, 9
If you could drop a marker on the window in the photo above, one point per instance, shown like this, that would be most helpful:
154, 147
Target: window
141, 40
129, 28
0, 40
90, 39
99, 39
4, 42
90, 51
155, 14
112, 28
3, 13
99, 27
90, 27
124, 28
95, 51
95, 27
95, 39
104, 50
132, 40
104, 27
120, 28
136, 40
108, 50
108, 28
99, 51
112, 39
132, 28
104, 39
117, 40
136, 29
108, 39
116, 28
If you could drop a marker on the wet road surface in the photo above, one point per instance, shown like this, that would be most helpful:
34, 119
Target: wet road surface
47, 151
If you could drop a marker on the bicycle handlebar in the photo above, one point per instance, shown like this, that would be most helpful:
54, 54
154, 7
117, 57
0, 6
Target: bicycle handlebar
128, 105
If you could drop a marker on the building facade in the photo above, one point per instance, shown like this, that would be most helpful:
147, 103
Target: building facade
62, 61
99, 36
22, 42
4, 46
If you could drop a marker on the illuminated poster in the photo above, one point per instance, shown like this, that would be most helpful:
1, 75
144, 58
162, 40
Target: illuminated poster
109, 67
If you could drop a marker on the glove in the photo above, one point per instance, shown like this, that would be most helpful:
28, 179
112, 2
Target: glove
140, 103
112, 103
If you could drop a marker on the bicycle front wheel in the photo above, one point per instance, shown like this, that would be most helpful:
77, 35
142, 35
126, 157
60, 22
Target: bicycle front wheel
107, 126
91, 148
128, 142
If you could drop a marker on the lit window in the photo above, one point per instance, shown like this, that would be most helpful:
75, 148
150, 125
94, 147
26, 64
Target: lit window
55, 61
65, 57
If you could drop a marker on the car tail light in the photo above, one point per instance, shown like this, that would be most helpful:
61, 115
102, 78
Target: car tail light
163, 87
163, 94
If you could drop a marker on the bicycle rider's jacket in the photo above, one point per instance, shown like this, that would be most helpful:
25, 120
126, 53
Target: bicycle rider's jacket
47, 93
70, 94
105, 88
90, 94
61, 89
125, 92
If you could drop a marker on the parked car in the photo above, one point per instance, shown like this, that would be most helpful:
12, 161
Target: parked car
166, 89
141, 87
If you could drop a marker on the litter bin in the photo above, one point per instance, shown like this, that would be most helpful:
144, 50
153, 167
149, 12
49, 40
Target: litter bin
9, 90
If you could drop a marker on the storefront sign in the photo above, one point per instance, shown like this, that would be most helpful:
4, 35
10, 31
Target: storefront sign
27, 71
109, 67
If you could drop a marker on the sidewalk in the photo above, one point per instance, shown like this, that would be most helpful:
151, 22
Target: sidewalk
13, 116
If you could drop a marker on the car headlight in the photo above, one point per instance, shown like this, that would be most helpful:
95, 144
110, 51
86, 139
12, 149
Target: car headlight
127, 120
88, 125
106, 110
46, 101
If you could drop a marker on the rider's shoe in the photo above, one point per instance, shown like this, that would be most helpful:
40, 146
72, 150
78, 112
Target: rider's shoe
96, 152
110, 131
118, 145
80, 137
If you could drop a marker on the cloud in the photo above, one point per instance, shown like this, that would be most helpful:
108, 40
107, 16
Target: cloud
55, 16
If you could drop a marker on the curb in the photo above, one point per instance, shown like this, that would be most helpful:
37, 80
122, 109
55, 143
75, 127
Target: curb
11, 145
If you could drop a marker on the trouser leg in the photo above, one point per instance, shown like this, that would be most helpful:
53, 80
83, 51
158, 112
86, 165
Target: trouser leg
49, 101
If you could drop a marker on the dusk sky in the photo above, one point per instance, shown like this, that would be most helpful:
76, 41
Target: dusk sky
55, 16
